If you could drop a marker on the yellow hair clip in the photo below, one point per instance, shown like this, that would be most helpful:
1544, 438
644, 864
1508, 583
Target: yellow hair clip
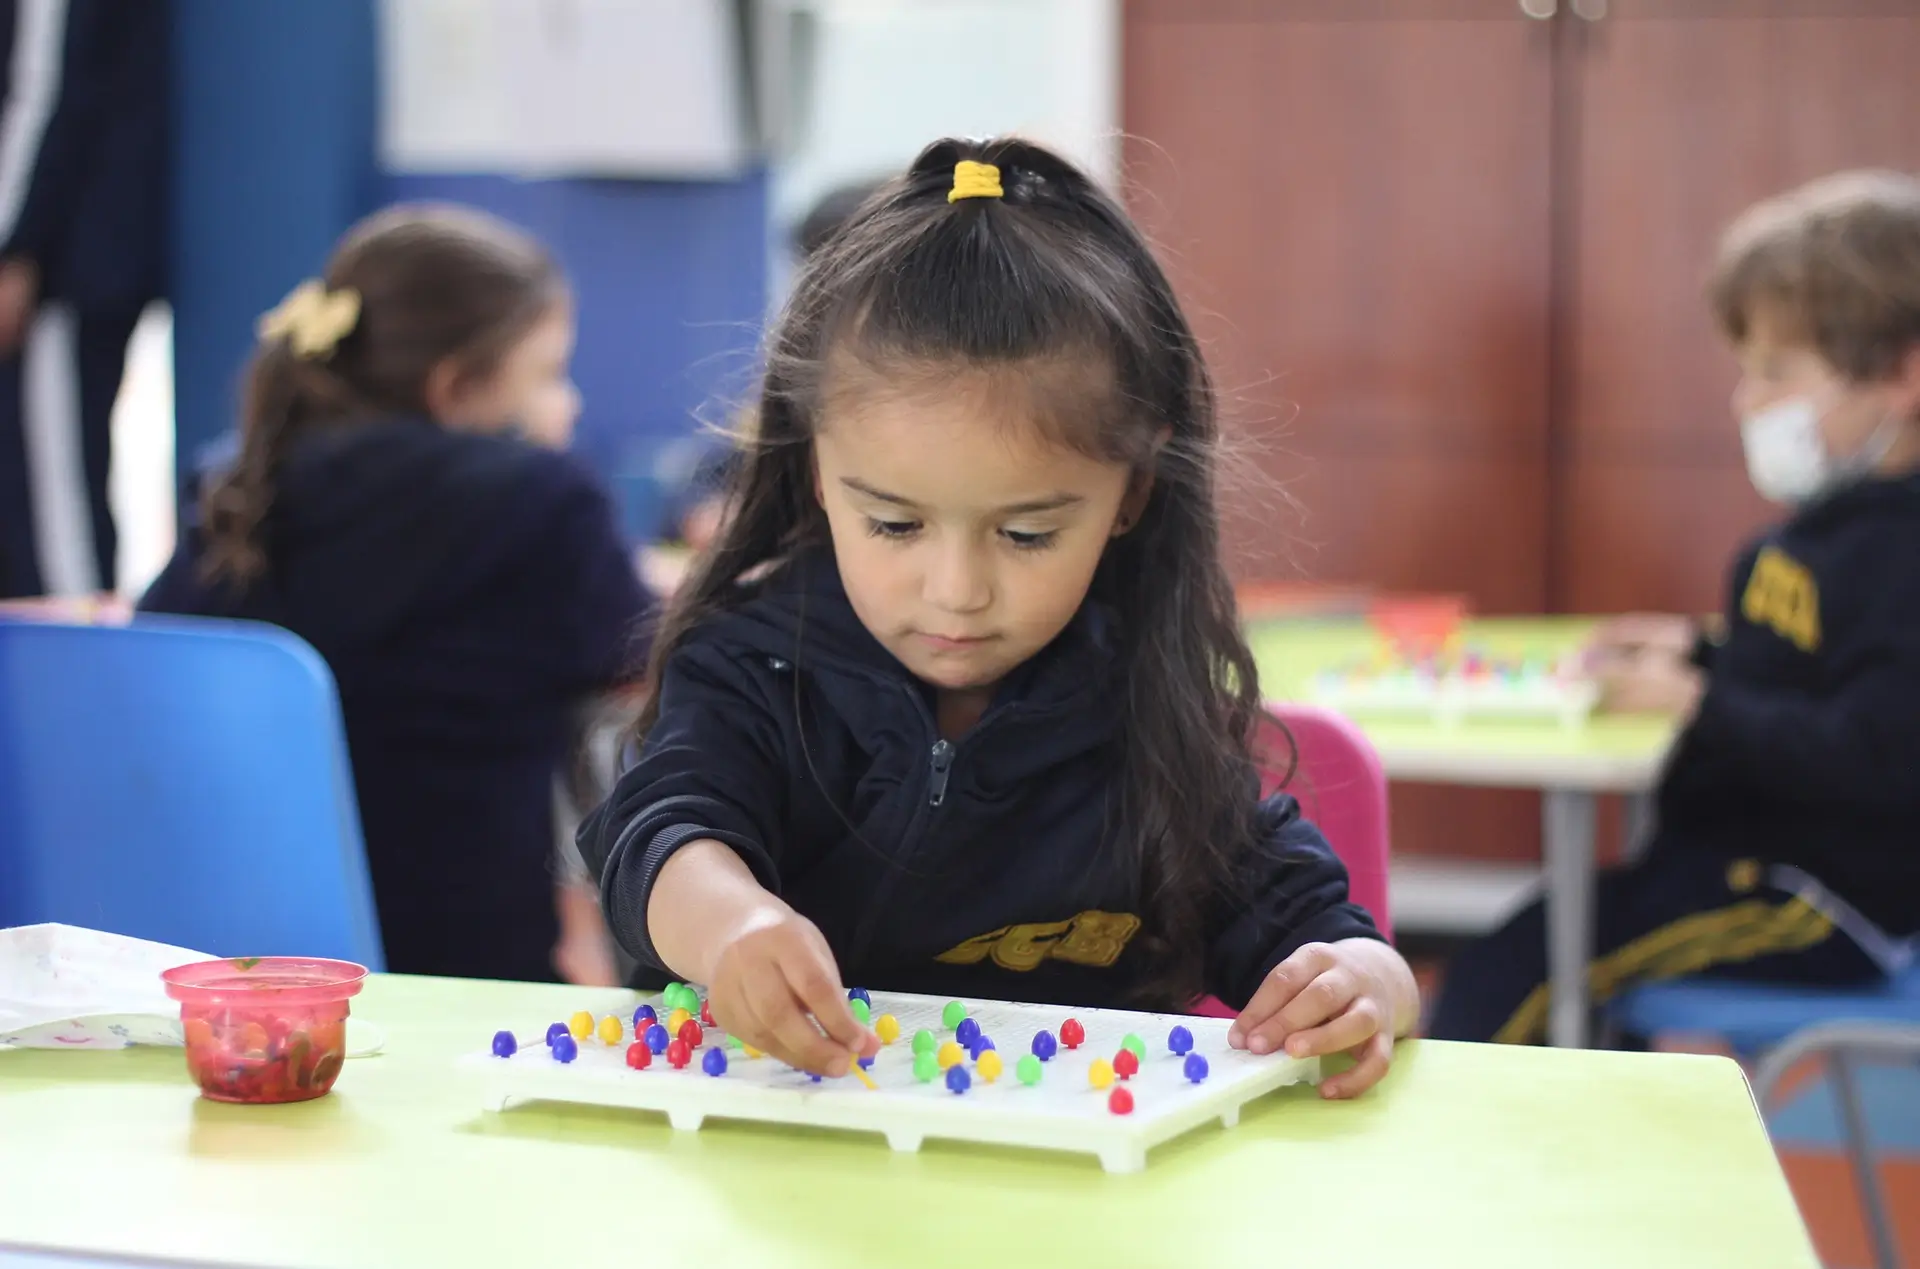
313, 319
974, 180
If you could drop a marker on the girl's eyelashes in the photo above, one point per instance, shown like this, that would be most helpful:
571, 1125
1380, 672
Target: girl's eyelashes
896, 529
902, 530
1030, 541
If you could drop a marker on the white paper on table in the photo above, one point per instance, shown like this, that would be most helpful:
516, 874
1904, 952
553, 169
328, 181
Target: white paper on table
66, 987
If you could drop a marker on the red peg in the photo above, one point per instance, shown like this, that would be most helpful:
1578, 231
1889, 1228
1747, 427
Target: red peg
706, 1012
678, 1055
690, 1034
639, 1056
1120, 1102
1125, 1063
1072, 1034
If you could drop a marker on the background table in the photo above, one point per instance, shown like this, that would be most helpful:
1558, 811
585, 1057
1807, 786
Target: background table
1569, 766
1468, 1154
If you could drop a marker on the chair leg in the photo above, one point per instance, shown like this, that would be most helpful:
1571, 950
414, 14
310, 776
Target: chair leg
1637, 826
1839, 1044
1860, 1149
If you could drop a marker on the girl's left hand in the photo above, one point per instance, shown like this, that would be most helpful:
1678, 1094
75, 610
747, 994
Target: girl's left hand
1352, 997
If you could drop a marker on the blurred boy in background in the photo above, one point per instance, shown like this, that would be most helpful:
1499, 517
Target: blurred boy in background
1788, 838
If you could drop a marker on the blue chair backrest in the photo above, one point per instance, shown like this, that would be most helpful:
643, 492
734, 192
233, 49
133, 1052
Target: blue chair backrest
184, 781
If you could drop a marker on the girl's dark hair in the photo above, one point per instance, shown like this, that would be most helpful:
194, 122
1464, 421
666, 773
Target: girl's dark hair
1053, 284
433, 283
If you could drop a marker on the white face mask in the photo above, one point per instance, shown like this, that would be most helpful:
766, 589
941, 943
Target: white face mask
1787, 458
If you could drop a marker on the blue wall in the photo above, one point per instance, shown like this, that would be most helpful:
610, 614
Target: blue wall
274, 111
671, 282
277, 125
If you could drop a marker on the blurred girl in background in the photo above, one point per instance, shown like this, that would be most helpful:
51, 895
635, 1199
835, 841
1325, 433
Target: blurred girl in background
400, 501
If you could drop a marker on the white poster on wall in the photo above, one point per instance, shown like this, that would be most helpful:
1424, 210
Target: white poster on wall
875, 80
546, 88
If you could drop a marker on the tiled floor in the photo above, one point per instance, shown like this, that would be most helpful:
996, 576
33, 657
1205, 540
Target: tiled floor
1823, 1184
1806, 1130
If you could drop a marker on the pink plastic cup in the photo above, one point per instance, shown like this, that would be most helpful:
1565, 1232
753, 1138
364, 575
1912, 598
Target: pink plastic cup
265, 1029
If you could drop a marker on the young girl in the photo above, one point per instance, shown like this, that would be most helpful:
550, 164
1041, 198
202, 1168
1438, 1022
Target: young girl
467, 587
958, 702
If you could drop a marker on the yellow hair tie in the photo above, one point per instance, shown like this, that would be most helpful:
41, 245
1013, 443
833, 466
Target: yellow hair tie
974, 180
313, 319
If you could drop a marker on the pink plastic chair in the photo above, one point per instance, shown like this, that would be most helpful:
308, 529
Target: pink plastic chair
1342, 788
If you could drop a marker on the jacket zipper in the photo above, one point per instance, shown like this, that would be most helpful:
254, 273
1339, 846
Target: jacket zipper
942, 758
939, 770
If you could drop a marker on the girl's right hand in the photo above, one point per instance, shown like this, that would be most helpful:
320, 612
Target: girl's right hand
774, 980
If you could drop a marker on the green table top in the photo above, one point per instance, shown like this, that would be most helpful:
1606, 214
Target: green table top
1616, 753
1466, 1155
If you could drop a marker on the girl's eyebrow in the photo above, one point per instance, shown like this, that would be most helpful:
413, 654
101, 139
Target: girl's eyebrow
1052, 502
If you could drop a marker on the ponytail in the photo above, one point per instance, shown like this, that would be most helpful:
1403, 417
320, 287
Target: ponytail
409, 289
283, 391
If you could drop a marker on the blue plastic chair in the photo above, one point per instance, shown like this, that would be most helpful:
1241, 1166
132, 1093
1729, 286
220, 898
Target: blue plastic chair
184, 781
1754, 1017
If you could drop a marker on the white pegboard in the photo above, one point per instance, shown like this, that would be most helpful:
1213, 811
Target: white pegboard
1452, 699
1063, 1112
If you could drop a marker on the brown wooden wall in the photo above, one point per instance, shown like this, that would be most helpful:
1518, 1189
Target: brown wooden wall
1681, 122
1447, 259
1368, 272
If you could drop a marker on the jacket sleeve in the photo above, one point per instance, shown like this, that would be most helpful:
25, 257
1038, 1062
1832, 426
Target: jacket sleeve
1294, 892
711, 768
1857, 746
99, 39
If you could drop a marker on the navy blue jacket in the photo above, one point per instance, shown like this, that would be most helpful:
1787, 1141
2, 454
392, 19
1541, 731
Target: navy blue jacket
94, 214
467, 592
1806, 747
979, 867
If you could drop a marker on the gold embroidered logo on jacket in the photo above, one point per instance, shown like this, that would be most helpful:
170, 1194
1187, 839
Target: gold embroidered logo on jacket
1093, 938
1781, 595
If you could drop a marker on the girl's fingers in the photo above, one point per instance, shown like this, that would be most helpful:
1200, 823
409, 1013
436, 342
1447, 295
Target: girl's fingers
1375, 1057
1287, 980
738, 1019
816, 982
802, 1044
1325, 997
785, 1031
1346, 1031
